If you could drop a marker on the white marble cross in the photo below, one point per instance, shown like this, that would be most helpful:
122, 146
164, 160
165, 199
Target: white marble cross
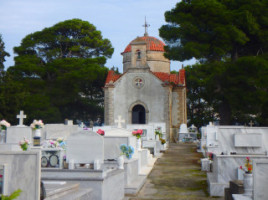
119, 121
251, 123
21, 116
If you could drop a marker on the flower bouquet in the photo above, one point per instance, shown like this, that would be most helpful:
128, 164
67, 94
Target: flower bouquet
101, 132
248, 165
61, 142
37, 124
137, 133
4, 124
127, 150
53, 144
158, 132
24, 144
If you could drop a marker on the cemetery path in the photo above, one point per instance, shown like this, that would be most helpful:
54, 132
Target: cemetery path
176, 175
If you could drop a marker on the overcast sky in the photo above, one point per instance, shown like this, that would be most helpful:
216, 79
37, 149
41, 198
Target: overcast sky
120, 21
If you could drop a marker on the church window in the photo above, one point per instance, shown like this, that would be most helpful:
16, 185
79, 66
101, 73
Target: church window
138, 115
138, 82
138, 54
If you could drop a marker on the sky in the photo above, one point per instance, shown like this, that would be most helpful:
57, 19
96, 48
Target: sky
120, 21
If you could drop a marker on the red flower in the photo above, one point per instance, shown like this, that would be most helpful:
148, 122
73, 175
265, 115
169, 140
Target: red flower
134, 132
101, 132
241, 167
247, 158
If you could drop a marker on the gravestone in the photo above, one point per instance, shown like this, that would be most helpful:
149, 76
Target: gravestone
148, 130
113, 139
260, 179
21, 170
17, 133
54, 131
85, 147
248, 140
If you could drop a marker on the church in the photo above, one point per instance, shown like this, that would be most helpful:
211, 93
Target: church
146, 92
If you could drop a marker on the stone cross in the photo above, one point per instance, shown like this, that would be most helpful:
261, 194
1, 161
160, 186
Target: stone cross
21, 116
251, 123
119, 121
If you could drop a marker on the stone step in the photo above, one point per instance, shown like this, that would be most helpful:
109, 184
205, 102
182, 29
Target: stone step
135, 186
80, 194
55, 189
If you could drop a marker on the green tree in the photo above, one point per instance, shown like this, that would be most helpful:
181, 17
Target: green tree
12, 96
200, 109
220, 34
3, 53
210, 30
63, 69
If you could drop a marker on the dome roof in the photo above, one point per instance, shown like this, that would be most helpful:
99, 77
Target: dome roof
153, 44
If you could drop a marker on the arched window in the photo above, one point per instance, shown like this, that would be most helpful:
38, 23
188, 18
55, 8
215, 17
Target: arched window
138, 54
138, 115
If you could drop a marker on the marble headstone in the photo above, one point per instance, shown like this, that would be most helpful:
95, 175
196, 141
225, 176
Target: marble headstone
85, 147
260, 179
114, 138
22, 170
54, 131
15, 134
147, 129
248, 140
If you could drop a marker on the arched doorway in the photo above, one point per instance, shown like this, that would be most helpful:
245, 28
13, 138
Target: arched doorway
138, 115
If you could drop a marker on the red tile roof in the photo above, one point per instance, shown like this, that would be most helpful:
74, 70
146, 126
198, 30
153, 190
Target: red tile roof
177, 79
112, 76
172, 78
152, 44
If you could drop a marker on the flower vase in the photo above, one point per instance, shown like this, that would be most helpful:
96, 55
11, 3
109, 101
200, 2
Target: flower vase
120, 162
248, 184
37, 133
138, 144
157, 137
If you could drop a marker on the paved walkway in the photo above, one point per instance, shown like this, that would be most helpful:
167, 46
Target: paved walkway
177, 176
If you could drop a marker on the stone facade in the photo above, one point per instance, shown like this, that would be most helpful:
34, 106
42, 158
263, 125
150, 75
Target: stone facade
147, 83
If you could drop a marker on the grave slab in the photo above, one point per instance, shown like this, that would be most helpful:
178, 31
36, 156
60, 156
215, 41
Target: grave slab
23, 171
260, 179
85, 147
54, 131
16, 134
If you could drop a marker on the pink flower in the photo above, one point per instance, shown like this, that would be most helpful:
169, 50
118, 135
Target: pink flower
241, 167
140, 131
247, 158
101, 132
134, 132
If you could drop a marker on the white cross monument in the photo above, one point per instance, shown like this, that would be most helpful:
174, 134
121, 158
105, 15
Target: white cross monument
119, 121
21, 116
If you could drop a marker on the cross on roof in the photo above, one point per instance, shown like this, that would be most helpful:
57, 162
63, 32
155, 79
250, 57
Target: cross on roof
21, 116
146, 26
119, 121
251, 123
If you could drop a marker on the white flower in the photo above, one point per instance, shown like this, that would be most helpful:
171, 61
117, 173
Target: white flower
4, 123
37, 124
